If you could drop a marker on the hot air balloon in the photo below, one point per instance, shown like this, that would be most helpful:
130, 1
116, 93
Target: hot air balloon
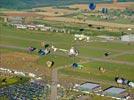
73, 52
50, 63
46, 45
119, 81
92, 6
131, 84
104, 10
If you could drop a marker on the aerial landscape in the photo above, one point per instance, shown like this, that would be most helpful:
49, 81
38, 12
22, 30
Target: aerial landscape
66, 49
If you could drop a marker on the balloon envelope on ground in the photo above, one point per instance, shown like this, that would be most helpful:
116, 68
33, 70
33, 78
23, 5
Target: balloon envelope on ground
47, 45
31, 49
104, 10
75, 65
50, 63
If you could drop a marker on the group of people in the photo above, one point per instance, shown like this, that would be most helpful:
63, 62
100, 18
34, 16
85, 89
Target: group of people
26, 91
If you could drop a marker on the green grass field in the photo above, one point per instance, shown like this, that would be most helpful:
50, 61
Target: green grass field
127, 57
25, 38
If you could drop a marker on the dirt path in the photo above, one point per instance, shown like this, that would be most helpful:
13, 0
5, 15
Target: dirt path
104, 59
12, 47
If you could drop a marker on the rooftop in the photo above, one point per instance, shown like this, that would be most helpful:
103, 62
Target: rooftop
114, 91
89, 86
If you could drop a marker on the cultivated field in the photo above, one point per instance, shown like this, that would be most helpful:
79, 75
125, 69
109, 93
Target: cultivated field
109, 6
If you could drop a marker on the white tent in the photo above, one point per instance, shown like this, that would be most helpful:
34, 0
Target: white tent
127, 38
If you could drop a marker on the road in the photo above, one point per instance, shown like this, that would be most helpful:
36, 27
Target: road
54, 85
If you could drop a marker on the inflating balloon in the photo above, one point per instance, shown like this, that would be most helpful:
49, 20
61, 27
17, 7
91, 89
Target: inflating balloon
75, 65
104, 10
50, 63
31, 49
42, 43
47, 45
73, 52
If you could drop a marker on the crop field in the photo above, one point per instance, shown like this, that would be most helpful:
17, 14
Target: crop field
110, 6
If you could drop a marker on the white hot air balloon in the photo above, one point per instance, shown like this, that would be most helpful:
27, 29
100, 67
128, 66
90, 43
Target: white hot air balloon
131, 84
73, 52
119, 81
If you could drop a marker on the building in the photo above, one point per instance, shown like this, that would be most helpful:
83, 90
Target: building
20, 26
116, 93
81, 37
127, 38
15, 20
89, 87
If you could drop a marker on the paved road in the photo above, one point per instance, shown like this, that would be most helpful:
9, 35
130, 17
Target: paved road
54, 85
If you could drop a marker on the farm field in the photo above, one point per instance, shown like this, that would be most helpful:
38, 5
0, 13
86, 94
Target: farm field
113, 6
115, 57
10, 36
24, 38
127, 57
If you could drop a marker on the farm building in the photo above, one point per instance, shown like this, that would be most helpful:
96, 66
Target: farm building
81, 37
15, 20
89, 87
45, 28
20, 26
116, 93
127, 38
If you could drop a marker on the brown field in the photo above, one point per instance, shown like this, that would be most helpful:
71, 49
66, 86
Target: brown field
23, 14
100, 23
110, 6
24, 62
50, 11
47, 11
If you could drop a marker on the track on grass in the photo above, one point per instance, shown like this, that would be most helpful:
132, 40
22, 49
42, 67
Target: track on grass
83, 57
